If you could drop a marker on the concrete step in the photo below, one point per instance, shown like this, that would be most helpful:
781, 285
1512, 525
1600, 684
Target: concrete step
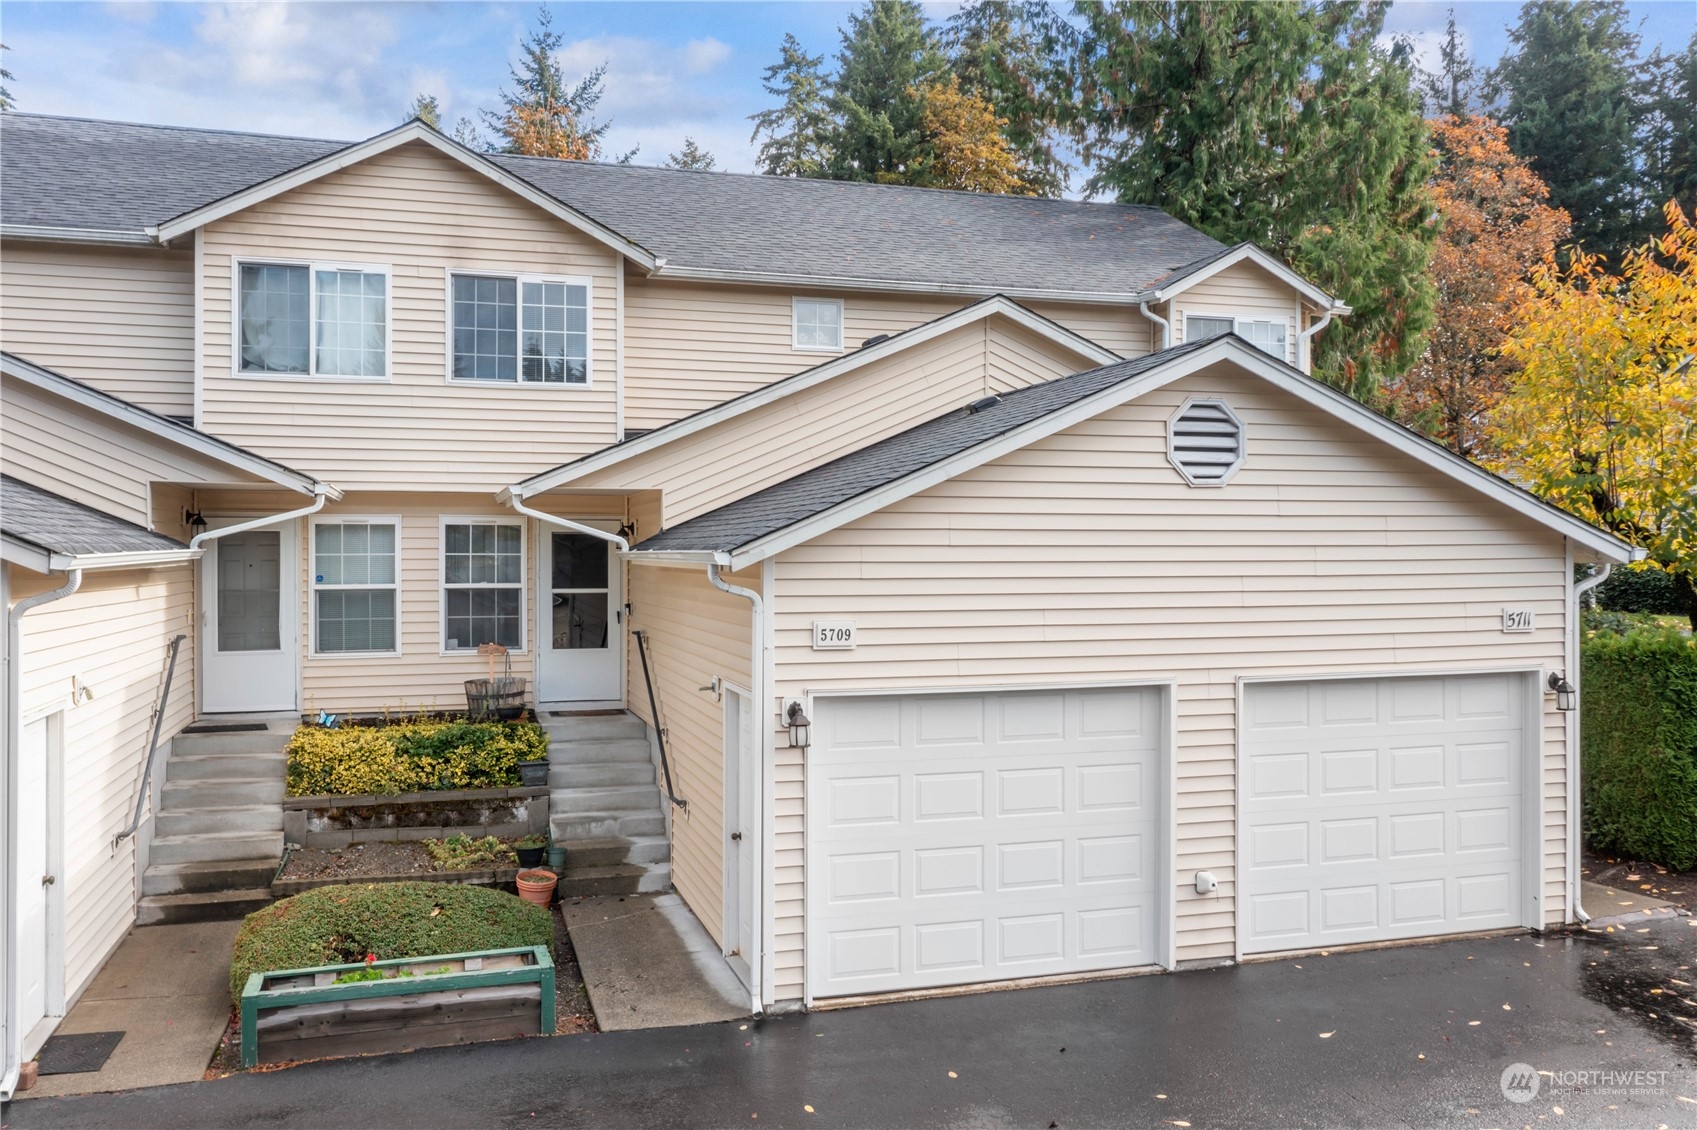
594, 727
206, 875
197, 847
600, 751
600, 825
201, 906
251, 741
240, 818
220, 792
593, 776
618, 879
609, 850
225, 766
621, 798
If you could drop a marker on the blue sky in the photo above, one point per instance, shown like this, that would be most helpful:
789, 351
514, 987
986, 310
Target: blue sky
337, 69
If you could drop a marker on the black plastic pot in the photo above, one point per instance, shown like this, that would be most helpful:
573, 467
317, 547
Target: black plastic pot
530, 857
533, 773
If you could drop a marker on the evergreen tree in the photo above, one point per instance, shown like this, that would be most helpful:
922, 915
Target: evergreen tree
1666, 129
1567, 90
1453, 90
541, 117
1281, 124
795, 131
889, 56
691, 156
7, 102
427, 110
468, 135
1000, 52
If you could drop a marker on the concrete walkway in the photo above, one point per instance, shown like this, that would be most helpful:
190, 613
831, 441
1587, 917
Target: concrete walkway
167, 989
1607, 904
648, 963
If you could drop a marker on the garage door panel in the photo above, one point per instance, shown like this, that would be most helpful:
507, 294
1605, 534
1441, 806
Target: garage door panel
1023, 846
1410, 826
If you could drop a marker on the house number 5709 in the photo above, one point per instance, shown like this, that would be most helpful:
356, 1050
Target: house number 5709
833, 635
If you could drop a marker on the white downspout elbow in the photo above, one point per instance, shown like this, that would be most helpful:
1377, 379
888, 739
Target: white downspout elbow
1575, 885
320, 495
1304, 356
1166, 326
516, 501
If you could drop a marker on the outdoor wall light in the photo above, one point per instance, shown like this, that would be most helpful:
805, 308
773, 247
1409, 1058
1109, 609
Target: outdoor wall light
195, 521
801, 730
1566, 697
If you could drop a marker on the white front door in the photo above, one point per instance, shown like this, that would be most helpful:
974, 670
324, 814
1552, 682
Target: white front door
40, 887
954, 839
249, 626
1375, 809
581, 641
741, 810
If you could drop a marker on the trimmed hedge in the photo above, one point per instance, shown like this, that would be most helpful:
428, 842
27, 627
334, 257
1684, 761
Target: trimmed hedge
411, 757
1641, 590
1639, 739
337, 925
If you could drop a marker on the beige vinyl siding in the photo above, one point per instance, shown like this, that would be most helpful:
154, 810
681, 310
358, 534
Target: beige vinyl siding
92, 459
1121, 328
112, 636
423, 215
821, 423
1084, 558
696, 634
1240, 291
121, 320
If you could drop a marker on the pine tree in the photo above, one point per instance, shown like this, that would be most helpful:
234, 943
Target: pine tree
1567, 97
1666, 131
691, 156
541, 117
1281, 124
427, 110
889, 56
794, 131
1001, 50
1453, 90
7, 102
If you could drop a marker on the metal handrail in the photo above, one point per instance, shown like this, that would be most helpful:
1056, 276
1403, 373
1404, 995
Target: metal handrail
153, 745
659, 725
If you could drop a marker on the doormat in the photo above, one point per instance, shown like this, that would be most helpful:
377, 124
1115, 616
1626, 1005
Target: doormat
223, 727
583, 713
77, 1053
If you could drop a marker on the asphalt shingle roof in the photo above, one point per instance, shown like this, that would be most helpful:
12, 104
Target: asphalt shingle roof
55, 524
111, 176
797, 499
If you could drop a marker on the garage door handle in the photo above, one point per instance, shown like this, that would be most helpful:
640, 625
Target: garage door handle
736, 835
47, 880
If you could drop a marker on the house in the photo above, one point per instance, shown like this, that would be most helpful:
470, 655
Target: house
1005, 599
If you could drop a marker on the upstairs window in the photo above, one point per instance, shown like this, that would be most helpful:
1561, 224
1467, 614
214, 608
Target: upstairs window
818, 324
1265, 334
313, 321
515, 329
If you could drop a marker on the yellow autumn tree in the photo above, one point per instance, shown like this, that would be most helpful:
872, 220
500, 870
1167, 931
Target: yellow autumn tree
1602, 418
964, 147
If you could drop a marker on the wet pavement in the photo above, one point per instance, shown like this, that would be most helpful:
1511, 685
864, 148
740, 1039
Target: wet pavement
1408, 1036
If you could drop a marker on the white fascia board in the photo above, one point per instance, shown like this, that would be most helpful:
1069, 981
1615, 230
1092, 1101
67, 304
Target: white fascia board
382, 143
1247, 252
199, 442
806, 379
26, 556
101, 236
1305, 388
907, 286
137, 560
690, 557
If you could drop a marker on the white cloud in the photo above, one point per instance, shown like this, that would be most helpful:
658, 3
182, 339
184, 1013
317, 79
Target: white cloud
646, 81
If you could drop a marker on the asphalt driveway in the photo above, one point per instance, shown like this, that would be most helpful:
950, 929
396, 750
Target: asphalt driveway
1413, 1036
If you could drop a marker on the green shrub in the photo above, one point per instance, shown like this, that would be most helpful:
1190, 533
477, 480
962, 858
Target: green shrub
1639, 738
341, 925
411, 757
1647, 589
459, 852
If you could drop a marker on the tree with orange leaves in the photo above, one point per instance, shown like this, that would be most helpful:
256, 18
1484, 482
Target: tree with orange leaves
1496, 229
964, 147
541, 118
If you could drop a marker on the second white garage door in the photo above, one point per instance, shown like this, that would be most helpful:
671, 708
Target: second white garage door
1376, 809
955, 839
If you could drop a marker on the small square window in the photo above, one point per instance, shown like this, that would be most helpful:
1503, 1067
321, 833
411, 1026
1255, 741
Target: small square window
818, 324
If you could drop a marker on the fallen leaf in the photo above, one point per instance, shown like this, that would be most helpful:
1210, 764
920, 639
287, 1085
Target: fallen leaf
1474, 1023
1176, 1122
1160, 1096
1328, 1035
1422, 1055
434, 911
808, 1109
952, 1075
1508, 1008
1683, 1099
742, 1027
1299, 967
1557, 1110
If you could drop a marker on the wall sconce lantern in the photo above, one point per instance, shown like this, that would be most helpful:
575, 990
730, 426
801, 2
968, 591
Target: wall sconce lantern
1566, 697
195, 522
801, 730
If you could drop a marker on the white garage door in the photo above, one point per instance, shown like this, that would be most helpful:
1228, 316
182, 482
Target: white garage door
963, 838
1380, 809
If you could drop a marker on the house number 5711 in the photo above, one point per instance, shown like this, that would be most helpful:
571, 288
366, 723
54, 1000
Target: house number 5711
1517, 620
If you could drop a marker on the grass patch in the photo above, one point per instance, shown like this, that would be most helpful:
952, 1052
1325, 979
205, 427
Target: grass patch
411, 757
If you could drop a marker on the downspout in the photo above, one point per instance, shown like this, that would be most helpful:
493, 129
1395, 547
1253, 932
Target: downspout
320, 495
14, 1049
516, 501
1303, 337
1574, 886
757, 676
1166, 326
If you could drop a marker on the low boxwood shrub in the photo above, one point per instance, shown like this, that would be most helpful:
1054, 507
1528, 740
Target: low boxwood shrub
1646, 589
1639, 746
341, 925
411, 757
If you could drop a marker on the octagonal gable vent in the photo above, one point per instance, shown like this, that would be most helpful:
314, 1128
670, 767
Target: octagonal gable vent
1205, 442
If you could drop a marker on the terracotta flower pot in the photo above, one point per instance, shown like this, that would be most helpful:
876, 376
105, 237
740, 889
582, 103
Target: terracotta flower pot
537, 886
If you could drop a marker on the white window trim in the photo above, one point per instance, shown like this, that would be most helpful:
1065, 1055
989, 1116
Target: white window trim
313, 266
314, 588
1238, 321
842, 330
521, 278
523, 583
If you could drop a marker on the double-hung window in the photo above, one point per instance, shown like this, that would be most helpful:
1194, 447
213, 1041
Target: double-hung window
313, 320
1266, 334
482, 583
520, 329
817, 324
355, 586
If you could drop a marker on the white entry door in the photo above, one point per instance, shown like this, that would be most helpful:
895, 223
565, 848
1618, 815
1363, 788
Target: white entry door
40, 887
1375, 809
249, 624
741, 811
582, 644
955, 839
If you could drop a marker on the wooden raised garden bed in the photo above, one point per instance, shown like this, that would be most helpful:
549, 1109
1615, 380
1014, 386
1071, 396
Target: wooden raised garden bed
295, 1014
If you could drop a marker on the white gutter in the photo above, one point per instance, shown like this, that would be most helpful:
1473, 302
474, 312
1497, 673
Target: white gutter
1166, 326
320, 495
13, 1051
758, 696
516, 501
1574, 885
103, 236
1303, 357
